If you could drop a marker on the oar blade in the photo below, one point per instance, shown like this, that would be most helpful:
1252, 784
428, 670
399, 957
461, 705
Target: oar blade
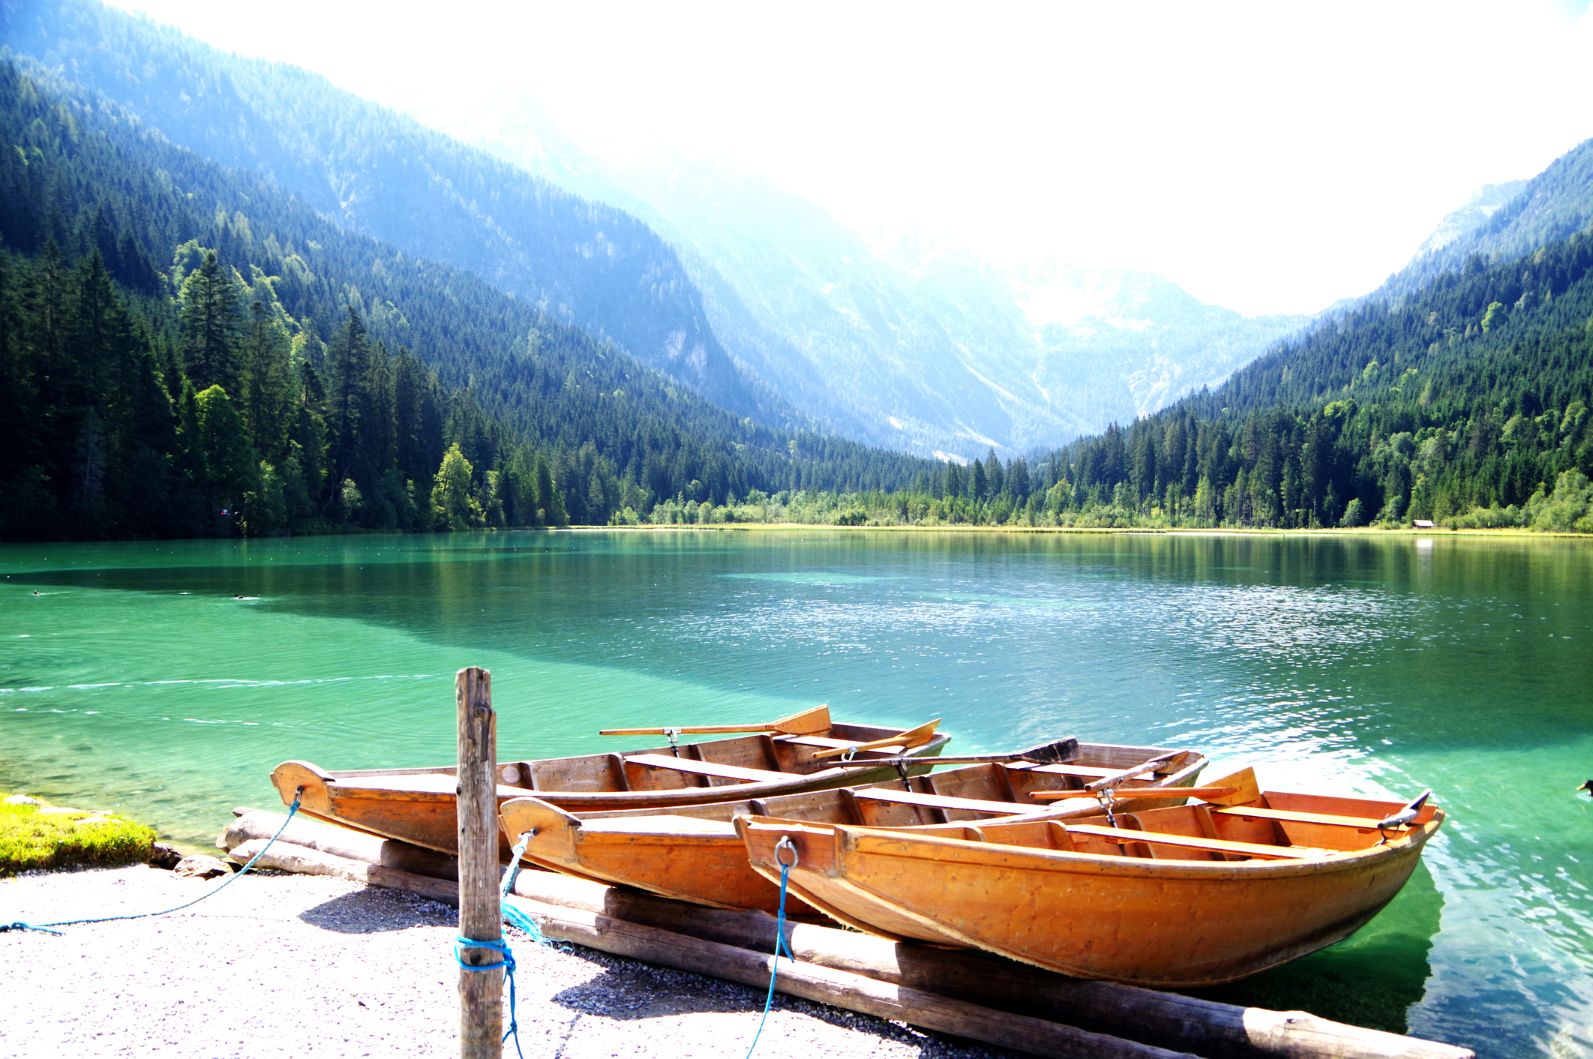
1056, 752
907, 740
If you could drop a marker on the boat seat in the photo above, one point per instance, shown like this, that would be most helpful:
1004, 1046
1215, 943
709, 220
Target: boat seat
1210, 845
1294, 816
706, 768
939, 801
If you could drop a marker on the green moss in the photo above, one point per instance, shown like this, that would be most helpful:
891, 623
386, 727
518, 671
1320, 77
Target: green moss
33, 838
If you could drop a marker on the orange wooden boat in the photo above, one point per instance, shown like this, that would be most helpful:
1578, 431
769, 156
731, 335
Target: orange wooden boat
417, 805
1173, 897
694, 854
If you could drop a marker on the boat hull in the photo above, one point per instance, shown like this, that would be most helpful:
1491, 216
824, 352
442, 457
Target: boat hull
1164, 923
419, 806
695, 854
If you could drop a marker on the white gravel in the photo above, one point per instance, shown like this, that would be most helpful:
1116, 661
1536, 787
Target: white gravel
293, 965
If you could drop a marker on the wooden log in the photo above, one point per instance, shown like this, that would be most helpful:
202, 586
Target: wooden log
827, 985
303, 860
480, 917
1169, 1019
339, 841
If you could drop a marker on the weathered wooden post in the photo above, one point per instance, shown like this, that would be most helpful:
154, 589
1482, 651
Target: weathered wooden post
480, 918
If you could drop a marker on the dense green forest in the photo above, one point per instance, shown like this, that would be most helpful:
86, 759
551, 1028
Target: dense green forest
382, 174
188, 350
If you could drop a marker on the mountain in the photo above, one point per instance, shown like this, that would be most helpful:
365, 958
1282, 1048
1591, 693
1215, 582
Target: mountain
912, 344
755, 298
1504, 221
1123, 344
1459, 393
180, 342
384, 175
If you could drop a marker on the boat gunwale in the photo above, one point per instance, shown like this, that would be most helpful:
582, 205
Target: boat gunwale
873, 840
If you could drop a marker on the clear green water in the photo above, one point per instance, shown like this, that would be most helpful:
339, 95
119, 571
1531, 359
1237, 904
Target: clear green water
166, 680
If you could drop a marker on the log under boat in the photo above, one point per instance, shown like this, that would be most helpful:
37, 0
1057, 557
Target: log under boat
1174, 897
692, 853
418, 805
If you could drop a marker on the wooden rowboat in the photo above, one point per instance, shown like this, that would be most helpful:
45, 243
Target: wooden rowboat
1173, 897
694, 854
418, 805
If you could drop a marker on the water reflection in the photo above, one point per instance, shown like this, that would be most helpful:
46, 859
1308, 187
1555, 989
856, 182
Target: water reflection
1373, 978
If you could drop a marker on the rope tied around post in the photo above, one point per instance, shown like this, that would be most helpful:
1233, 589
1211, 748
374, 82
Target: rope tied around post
44, 928
515, 918
781, 945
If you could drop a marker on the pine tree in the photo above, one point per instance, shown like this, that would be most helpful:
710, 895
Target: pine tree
210, 324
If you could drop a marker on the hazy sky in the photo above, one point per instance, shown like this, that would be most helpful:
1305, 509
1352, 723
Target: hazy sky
1269, 156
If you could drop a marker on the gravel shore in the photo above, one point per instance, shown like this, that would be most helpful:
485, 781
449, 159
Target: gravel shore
293, 965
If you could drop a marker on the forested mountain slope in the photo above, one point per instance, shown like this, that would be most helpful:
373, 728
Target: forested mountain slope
1465, 400
386, 176
138, 276
1507, 221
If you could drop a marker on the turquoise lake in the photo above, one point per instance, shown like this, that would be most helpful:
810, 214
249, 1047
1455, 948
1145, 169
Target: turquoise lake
166, 680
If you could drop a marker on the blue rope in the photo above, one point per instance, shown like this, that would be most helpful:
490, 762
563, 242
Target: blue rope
517, 919
780, 945
506, 965
43, 928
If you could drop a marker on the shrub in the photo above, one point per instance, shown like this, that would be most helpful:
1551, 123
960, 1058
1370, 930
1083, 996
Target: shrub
32, 838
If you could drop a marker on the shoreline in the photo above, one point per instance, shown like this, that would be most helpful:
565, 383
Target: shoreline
280, 964
1511, 533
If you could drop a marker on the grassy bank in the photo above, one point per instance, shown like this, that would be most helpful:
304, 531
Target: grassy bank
34, 837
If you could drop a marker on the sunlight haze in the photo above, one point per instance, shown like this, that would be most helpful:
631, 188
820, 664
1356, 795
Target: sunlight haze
1266, 157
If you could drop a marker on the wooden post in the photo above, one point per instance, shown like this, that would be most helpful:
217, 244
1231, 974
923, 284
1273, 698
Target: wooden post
480, 918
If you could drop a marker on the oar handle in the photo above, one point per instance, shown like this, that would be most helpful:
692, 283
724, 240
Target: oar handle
1138, 792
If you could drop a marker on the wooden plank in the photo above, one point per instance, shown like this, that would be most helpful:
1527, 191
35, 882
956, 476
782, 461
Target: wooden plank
705, 768
1211, 845
939, 801
1294, 816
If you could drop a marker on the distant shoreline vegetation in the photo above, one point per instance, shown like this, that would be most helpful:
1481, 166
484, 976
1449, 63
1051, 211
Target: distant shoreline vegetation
1567, 510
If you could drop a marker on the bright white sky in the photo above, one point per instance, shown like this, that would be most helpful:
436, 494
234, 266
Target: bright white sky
1269, 156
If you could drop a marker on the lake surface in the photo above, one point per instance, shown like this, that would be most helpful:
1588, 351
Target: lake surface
166, 680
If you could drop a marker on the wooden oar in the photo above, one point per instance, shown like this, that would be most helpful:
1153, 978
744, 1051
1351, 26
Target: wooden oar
807, 722
906, 740
1127, 774
1139, 792
1057, 753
